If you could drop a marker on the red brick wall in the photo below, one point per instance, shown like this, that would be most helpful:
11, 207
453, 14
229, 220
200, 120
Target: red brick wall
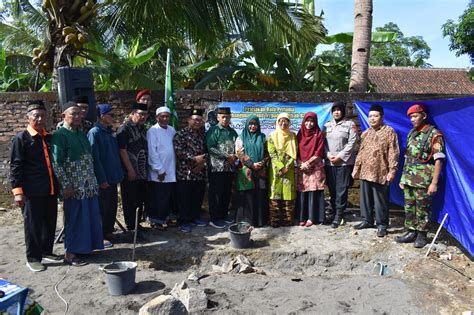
13, 109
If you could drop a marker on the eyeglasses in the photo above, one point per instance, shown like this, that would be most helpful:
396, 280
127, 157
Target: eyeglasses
142, 114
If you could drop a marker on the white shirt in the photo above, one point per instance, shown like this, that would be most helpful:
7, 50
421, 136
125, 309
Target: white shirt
161, 156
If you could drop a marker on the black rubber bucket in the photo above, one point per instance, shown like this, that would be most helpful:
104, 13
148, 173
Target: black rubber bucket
240, 234
120, 277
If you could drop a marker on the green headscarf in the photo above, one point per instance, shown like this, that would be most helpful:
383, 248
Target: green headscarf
253, 142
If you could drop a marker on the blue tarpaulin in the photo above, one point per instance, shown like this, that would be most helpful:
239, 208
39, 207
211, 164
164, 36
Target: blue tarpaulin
455, 196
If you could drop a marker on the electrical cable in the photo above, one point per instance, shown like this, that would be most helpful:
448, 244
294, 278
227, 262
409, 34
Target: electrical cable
57, 291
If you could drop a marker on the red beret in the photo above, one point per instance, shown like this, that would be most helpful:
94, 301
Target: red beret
142, 93
417, 108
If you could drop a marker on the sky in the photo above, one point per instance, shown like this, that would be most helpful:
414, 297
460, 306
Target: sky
413, 17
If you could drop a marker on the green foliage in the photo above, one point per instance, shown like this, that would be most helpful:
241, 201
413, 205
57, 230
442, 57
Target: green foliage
121, 67
346, 38
461, 34
402, 52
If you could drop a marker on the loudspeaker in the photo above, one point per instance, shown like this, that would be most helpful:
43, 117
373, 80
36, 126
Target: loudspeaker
77, 82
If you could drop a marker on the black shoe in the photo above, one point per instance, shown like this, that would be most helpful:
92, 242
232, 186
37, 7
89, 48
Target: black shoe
335, 224
421, 240
363, 225
408, 237
382, 231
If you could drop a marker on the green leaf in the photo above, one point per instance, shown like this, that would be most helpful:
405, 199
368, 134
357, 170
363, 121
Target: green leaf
7, 73
342, 38
346, 38
3, 58
119, 47
383, 37
134, 48
204, 65
47, 86
144, 55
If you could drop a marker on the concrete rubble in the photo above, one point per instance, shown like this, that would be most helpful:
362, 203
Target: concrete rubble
240, 264
181, 300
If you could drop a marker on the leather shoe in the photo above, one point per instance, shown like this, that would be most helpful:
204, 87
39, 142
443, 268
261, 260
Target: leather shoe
408, 237
335, 224
363, 225
421, 240
382, 231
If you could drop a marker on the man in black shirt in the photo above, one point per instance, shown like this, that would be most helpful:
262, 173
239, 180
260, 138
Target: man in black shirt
34, 187
133, 147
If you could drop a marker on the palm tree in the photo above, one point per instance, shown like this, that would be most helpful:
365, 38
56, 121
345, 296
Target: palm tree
264, 26
361, 45
20, 32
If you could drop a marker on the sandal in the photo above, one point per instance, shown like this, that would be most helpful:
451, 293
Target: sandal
302, 223
308, 223
75, 261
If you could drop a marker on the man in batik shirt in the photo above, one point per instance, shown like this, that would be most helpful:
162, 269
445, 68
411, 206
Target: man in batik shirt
220, 141
74, 168
191, 170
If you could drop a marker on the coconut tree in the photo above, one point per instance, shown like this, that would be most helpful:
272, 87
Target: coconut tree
361, 45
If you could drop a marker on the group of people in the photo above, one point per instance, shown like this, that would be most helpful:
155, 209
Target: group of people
163, 173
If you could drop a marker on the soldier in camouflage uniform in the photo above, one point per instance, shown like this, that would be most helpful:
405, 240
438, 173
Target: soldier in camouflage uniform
424, 157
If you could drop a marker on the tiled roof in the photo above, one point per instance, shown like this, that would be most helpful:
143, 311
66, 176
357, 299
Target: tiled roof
421, 80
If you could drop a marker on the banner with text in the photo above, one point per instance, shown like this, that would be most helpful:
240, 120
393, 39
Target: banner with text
268, 112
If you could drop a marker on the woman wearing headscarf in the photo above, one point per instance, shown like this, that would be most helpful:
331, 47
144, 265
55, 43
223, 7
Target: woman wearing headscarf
282, 148
252, 175
310, 175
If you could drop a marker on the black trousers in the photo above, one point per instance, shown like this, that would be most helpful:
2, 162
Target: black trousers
108, 199
310, 206
40, 215
164, 200
220, 189
338, 180
134, 194
252, 207
374, 196
190, 198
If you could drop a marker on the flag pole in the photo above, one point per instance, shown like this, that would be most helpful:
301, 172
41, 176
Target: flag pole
169, 97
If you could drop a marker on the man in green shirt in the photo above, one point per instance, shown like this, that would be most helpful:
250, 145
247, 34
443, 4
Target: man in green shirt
220, 141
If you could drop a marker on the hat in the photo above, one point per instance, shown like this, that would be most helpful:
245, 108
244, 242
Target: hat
36, 104
139, 106
341, 106
377, 108
195, 111
223, 110
162, 109
417, 108
142, 93
68, 105
103, 109
80, 99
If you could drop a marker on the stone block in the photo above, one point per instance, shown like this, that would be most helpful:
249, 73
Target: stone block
163, 304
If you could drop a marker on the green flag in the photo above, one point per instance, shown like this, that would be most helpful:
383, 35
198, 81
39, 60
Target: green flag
169, 97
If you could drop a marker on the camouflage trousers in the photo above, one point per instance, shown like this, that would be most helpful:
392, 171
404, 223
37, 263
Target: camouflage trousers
417, 208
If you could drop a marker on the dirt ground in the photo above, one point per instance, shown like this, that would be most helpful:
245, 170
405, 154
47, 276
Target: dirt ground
316, 270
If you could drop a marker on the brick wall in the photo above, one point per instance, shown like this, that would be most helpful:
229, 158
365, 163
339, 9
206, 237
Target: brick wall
13, 108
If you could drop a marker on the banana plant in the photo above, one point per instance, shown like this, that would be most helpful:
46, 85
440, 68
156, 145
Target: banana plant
122, 67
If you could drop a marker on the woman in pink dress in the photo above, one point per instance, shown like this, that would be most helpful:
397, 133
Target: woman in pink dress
310, 175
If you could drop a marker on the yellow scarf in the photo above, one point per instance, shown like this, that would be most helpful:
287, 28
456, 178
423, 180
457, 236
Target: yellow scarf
284, 140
